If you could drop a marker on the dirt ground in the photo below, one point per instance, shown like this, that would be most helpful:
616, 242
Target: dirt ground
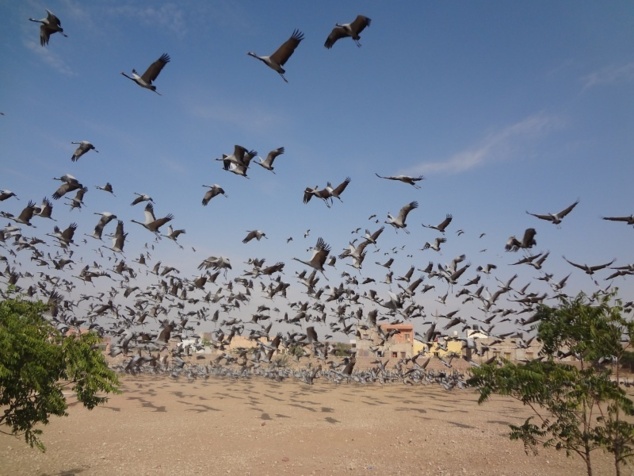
160, 425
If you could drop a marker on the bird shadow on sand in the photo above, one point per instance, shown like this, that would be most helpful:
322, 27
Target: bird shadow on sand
410, 409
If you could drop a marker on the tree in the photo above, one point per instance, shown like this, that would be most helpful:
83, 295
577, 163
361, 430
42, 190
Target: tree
37, 363
578, 406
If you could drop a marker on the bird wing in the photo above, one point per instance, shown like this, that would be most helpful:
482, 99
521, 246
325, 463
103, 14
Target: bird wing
528, 239
284, 52
359, 24
629, 219
155, 68
575, 264
273, 154
341, 187
336, 34
601, 266
567, 210
540, 216
445, 223
402, 215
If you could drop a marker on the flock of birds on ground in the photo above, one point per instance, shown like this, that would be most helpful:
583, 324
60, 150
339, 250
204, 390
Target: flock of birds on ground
144, 305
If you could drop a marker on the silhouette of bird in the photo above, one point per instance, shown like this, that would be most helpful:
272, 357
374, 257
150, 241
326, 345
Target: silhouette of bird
404, 178
277, 60
150, 75
555, 218
589, 269
49, 25
82, 147
345, 30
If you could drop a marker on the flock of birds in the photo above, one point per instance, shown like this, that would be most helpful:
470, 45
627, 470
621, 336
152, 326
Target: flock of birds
144, 305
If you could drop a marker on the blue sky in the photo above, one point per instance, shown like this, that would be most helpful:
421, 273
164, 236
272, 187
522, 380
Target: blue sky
504, 107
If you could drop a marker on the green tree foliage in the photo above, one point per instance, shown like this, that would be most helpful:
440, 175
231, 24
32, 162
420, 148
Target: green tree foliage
578, 406
37, 364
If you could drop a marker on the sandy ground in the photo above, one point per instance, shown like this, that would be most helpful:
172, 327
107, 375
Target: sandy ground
159, 425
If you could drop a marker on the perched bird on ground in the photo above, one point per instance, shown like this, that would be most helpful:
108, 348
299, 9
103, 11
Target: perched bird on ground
150, 75
49, 25
277, 60
345, 30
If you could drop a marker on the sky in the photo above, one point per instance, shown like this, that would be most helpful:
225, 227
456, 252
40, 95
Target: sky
503, 107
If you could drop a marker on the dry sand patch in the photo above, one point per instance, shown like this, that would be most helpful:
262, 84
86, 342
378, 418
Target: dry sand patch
256, 426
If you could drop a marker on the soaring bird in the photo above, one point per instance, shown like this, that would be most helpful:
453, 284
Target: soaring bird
213, 191
404, 178
82, 147
399, 221
145, 81
106, 188
257, 234
49, 25
528, 241
45, 210
70, 184
151, 222
555, 218
65, 237
338, 190
268, 162
629, 220
5, 194
239, 161
277, 60
141, 197
320, 254
118, 239
25, 215
173, 234
106, 217
442, 225
589, 269
348, 30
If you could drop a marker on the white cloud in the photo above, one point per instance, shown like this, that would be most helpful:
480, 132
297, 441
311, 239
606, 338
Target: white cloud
496, 146
609, 75
49, 57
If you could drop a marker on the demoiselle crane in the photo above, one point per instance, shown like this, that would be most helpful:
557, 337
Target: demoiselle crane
277, 60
